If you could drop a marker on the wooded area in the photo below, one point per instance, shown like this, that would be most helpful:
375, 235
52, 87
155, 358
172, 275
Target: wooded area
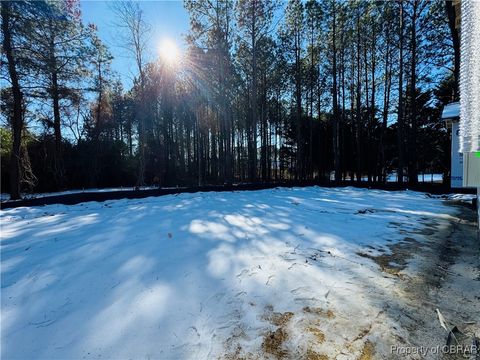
265, 91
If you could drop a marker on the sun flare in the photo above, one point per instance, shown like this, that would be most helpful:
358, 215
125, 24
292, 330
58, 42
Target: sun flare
169, 51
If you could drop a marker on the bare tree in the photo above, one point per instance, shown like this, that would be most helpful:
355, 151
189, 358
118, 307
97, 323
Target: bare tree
131, 21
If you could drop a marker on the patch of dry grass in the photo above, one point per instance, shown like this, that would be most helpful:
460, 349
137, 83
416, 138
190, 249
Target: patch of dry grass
368, 351
279, 319
312, 355
319, 335
319, 311
273, 343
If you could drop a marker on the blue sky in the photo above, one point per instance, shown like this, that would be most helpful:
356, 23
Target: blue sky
167, 19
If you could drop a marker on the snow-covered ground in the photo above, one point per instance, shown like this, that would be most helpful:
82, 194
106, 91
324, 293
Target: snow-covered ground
282, 272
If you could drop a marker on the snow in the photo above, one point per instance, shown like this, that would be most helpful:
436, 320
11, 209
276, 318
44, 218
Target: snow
458, 198
197, 276
461, 197
451, 111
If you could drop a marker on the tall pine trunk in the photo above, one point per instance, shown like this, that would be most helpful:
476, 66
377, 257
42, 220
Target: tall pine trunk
386, 103
412, 149
358, 105
450, 9
400, 132
300, 170
17, 114
336, 127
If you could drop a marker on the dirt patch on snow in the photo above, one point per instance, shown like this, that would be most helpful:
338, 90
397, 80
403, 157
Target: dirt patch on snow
368, 351
434, 267
319, 311
396, 259
278, 319
312, 355
439, 273
273, 343
317, 333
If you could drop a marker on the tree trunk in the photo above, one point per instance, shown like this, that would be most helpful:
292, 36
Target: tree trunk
17, 116
252, 140
456, 45
312, 67
352, 109
358, 107
400, 135
97, 129
336, 128
386, 104
342, 91
298, 105
412, 171
371, 165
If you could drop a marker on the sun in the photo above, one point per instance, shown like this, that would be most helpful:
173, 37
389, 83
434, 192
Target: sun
169, 51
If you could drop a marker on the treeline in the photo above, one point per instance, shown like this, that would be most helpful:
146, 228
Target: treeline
264, 91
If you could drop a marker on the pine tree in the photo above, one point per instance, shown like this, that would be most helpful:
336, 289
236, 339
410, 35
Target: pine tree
60, 54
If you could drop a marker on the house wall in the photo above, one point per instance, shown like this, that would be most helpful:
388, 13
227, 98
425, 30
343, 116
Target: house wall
471, 170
